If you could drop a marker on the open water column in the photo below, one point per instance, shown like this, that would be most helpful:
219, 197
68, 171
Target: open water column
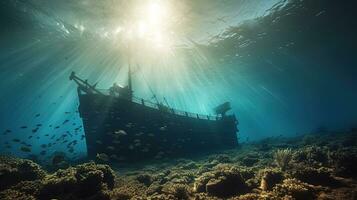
166, 99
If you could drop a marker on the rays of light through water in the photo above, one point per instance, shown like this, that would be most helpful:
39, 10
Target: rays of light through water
170, 56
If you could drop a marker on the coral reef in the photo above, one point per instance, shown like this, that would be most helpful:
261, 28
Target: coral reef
295, 189
82, 181
13, 171
23, 179
286, 168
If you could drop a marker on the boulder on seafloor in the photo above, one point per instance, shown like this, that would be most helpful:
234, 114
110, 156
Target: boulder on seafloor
83, 181
222, 183
295, 189
13, 171
315, 176
269, 178
145, 179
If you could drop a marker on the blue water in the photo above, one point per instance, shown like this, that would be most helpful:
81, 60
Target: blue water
287, 67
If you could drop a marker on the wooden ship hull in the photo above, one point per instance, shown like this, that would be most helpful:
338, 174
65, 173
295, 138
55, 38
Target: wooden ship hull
134, 129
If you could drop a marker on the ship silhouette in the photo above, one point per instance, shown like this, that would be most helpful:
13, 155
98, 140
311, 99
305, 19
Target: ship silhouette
127, 128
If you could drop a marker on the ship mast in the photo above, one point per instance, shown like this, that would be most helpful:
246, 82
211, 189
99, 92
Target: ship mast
130, 86
129, 82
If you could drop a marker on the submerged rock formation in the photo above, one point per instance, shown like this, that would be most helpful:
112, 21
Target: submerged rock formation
13, 171
23, 179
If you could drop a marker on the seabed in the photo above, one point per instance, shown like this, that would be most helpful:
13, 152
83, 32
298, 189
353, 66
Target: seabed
312, 166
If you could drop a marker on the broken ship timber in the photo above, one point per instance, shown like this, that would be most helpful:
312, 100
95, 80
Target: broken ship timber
127, 128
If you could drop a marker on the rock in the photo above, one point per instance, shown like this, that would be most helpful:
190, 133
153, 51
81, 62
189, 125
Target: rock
295, 189
227, 185
144, 179
312, 155
154, 188
321, 176
84, 181
13, 171
270, 177
223, 183
179, 191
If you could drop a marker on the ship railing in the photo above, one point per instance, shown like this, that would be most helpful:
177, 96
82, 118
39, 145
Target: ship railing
168, 109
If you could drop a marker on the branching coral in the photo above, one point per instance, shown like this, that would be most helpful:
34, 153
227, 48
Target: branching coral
283, 157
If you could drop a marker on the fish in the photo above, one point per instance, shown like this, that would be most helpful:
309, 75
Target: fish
23, 127
139, 134
16, 140
37, 115
43, 145
102, 157
29, 137
65, 121
120, 132
34, 130
57, 127
38, 124
111, 148
47, 135
129, 125
25, 149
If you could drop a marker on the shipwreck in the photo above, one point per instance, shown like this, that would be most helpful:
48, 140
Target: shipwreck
128, 128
